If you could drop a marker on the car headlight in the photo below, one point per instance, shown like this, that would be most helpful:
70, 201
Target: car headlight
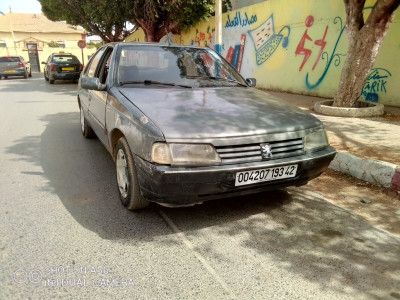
185, 154
316, 141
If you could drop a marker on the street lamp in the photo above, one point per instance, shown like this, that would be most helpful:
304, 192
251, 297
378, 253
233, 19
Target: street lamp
218, 26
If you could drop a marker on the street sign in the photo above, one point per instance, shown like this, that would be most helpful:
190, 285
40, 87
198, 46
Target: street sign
82, 44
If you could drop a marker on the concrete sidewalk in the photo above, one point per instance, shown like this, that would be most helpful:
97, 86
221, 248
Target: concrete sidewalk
368, 148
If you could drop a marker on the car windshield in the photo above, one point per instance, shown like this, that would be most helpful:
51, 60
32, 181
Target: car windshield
179, 66
10, 59
65, 59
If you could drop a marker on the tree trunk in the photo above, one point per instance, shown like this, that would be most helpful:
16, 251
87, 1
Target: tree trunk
360, 58
364, 42
148, 29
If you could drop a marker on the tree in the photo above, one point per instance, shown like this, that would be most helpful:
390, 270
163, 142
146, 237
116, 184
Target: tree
107, 19
364, 40
157, 17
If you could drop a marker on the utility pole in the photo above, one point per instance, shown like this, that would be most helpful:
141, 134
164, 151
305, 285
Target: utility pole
218, 26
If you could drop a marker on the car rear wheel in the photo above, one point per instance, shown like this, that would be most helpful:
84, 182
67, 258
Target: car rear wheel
26, 75
30, 73
87, 131
51, 81
127, 179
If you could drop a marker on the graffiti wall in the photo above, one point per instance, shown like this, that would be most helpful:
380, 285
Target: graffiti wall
299, 47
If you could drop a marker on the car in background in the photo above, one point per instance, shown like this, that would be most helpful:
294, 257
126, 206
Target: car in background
14, 66
62, 66
183, 126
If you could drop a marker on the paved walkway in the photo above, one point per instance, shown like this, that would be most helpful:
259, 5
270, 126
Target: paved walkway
368, 148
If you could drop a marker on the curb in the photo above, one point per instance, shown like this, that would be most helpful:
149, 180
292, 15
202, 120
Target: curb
369, 110
370, 170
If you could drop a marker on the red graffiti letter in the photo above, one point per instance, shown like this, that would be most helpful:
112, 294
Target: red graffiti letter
300, 47
322, 44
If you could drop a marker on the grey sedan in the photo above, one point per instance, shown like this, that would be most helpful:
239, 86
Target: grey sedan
184, 127
14, 66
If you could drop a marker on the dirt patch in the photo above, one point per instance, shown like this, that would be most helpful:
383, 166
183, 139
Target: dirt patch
341, 143
380, 206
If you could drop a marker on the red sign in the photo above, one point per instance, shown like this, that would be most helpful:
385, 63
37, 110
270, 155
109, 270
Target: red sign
81, 44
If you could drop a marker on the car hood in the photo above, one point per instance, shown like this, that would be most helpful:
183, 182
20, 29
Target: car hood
217, 112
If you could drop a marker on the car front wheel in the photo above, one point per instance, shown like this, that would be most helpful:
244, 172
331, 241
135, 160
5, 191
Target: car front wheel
127, 179
87, 131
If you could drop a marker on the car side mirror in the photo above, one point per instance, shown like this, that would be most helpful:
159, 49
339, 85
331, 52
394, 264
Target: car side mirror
251, 82
43, 63
89, 83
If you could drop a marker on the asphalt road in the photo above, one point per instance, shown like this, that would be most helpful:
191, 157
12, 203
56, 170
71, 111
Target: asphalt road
64, 234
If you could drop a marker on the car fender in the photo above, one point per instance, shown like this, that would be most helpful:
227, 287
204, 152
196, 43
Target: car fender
125, 119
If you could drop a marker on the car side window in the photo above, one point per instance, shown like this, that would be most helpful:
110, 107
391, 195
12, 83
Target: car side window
95, 62
105, 65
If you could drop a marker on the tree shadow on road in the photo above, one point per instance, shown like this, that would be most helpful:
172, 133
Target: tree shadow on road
302, 232
82, 174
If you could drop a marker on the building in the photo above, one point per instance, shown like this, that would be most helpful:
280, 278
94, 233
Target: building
35, 37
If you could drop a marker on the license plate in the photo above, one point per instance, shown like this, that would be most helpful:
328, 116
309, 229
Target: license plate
262, 175
10, 71
68, 69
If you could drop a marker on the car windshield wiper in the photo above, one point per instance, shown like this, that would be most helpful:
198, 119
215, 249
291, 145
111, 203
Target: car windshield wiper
216, 78
149, 82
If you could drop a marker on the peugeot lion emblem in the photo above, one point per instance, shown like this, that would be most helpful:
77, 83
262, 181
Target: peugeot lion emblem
266, 151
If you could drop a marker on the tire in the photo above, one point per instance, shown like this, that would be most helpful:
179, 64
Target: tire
51, 81
87, 131
45, 77
127, 179
30, 73
26, 75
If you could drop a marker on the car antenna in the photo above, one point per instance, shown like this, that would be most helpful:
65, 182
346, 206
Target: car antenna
169, 40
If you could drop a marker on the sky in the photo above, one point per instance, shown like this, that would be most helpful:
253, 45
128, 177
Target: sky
20, 6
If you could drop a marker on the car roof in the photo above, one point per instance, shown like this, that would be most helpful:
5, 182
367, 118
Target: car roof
62, 54
157, 45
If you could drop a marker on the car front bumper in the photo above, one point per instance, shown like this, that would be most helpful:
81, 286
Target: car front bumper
188, 186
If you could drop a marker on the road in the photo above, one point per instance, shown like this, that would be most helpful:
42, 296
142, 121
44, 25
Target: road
64, 234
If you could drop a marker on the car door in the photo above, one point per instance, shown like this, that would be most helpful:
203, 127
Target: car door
98, 99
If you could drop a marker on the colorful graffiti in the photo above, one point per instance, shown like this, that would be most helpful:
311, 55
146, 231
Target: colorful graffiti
238, 21
235, 55
204, 38
376, 84
322, 55
266, 41
301, 50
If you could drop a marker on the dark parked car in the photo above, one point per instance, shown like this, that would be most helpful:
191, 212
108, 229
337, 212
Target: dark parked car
184, 127
62, 66
14, 66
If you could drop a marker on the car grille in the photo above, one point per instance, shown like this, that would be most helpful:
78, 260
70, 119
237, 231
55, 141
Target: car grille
252, 152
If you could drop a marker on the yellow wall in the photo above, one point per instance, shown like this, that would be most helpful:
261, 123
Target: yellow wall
275, 61
71, 44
